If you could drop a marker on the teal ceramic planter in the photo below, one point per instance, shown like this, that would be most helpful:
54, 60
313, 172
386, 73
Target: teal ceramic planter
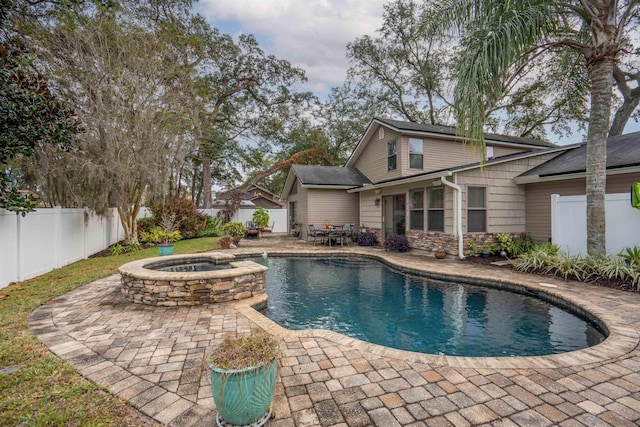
164, 250
243, 396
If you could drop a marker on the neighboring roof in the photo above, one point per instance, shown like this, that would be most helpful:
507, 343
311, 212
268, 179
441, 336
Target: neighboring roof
262, 190
441, 131
622, 151
330, 176
450, 130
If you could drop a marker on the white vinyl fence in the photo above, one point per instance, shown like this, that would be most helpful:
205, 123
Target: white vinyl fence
277, 217
52, 238
569, 223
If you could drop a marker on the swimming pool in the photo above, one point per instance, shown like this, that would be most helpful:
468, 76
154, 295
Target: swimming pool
367, 300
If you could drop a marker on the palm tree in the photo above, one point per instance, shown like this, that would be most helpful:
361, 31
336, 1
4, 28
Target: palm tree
496, 34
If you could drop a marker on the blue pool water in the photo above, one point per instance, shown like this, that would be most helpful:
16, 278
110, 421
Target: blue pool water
367, 300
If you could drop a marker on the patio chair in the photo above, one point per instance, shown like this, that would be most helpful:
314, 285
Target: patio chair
315, 234
253, 232
269, 229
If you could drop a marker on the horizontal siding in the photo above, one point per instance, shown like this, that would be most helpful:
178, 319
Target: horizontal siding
505, 151
370, 214
506, 201
538, 202
442, 154
373, 160
338, 205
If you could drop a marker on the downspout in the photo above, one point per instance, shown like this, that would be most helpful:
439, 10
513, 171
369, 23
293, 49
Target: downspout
458, 214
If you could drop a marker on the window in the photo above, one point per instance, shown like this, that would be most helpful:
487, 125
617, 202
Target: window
476, 209
381, 133
416, 148
391, 156
416, 214
435, 205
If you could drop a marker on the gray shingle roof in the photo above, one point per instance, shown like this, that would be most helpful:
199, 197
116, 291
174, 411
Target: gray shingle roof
449, 130
622, 150
330, 175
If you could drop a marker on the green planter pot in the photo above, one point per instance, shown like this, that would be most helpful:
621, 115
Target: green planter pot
164, 250
243, 396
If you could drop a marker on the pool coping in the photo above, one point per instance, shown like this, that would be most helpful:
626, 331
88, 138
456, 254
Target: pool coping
621, 339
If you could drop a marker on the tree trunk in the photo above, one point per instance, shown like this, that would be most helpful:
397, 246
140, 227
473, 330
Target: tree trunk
601, 75
206, 181
623, 114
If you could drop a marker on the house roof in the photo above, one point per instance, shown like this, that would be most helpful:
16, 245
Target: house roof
330, 176
448, 132
622, 151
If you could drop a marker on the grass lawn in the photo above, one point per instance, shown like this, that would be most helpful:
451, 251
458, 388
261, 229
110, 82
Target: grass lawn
37, 388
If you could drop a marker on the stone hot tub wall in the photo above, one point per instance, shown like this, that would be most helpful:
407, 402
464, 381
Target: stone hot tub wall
144, 286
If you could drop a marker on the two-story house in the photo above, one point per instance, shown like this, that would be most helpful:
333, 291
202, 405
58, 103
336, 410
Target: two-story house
424, 182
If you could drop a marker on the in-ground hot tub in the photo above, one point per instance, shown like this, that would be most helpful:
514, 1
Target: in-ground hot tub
181, 280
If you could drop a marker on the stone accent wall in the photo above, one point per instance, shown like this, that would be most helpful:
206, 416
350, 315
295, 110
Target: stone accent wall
192, 292
430, 241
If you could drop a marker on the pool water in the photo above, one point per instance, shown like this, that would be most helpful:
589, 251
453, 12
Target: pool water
365, 299
188, 265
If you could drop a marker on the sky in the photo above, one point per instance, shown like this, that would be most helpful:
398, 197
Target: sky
313, 35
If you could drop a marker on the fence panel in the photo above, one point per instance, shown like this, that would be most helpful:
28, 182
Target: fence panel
569, 223
50, 238
38, 236
276, 216
71, 244
8, 247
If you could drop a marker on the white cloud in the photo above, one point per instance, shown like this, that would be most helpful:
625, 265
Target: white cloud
311, 34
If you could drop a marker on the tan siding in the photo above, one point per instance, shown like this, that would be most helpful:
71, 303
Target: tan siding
505, 199
338, 205
442, 154
505, 151
370, 214
538, 202
373, 160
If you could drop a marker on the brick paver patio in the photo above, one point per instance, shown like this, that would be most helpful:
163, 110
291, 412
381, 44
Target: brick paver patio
154, 357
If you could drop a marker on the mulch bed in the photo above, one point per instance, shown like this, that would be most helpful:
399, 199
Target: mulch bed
602, 281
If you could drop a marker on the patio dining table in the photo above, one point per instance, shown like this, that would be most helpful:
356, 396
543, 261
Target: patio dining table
334, 234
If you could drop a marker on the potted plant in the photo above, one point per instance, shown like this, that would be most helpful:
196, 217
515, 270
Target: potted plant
440, 253
488, 249
234, 229
167, 233
225, 242
327, 222
243, 379
363, 228
261, 217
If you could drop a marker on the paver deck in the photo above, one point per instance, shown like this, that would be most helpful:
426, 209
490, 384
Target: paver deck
154, 357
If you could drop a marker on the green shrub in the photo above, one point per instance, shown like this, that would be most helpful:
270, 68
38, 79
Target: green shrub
119, 249
212, 228
159, 235
235, 230
506, 242
522, 245
631, 255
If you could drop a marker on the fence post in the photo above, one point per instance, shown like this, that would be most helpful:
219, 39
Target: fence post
554, 217
18, 251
